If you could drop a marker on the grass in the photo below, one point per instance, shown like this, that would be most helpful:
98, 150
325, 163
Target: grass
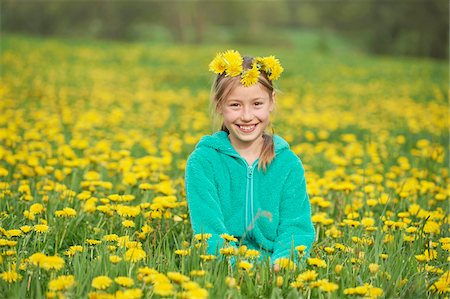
86, 122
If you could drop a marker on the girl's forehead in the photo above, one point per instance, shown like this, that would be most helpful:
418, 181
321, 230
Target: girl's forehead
240, 92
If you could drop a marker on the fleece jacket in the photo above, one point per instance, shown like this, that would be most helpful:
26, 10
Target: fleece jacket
268, 211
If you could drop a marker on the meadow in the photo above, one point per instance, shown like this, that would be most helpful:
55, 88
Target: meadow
94, 137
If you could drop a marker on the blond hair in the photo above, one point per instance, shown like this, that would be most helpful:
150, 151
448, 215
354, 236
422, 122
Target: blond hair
222, 87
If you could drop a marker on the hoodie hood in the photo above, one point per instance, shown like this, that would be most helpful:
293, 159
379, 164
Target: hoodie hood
220, 142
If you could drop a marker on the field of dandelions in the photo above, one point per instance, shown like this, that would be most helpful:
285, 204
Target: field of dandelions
94, 138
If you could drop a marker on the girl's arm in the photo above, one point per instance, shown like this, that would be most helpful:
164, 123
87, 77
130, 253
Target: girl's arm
295, 226
203, 200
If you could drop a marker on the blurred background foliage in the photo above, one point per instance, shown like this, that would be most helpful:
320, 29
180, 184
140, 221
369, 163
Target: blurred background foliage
405, 27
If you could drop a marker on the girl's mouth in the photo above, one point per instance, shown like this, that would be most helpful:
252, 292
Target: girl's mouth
247, 129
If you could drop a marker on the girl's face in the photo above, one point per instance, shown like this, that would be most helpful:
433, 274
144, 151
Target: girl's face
246, 113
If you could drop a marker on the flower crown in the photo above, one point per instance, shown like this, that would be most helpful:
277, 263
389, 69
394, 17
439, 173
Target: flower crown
231, 61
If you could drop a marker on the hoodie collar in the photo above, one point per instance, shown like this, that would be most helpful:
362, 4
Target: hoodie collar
220, 142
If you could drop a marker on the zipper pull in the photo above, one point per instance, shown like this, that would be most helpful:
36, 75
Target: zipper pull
249, 172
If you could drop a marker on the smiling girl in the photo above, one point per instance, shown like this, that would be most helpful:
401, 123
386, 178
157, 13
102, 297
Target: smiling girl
242, 181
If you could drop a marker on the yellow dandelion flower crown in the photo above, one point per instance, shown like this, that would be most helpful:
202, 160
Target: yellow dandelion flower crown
230, 62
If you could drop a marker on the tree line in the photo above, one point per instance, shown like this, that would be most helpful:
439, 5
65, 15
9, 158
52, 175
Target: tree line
405, 27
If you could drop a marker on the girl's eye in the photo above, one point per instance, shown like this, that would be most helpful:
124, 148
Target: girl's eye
234, 105
258, 103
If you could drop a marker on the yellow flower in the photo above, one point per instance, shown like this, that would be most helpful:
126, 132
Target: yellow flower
207, 257
228, 250
110, 238
271, 66
328, 287
198, 273
10, 276
202, 237
442, 285
128, 223
280, 281
129, 294
52, 263
338, 268
228, 238
26, 228
252, 253
197, 293
309, 275
367, 222
37, 259
93, 242
63, 282
36, 208
250, 76
128, 211
101, 282
374, 267
124, 281
114, 259
73, 249
145, 186
233, 61
135, 254
183, 252
329, 250
218, 64
317, 262
245, 265
66, 212
41, 228
230, 281
300, 248
14, 233
177, 277
163, 289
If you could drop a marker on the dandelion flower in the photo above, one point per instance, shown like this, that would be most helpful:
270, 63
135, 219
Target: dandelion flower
250, 76
177, 277
252, 253
63, 282
135, 254
124, 281
10, 276
183, 252
233, 61
41, 228
52, 263
245, 265
114, 259
230, 281
228, 238
317, 262
101, 282
328, 287
129, 294
128, 223
163, 289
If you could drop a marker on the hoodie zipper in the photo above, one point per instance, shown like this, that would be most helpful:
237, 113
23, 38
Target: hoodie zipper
249, 210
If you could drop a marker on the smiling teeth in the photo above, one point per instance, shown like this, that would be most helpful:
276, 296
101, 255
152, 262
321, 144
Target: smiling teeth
247, 128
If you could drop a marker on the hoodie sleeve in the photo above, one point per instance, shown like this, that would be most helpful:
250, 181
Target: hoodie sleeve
295, 226
203, 201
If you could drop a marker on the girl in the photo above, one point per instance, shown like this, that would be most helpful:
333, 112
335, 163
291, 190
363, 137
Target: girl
242, 182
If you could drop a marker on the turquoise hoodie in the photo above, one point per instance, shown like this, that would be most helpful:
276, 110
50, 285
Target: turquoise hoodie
266, 211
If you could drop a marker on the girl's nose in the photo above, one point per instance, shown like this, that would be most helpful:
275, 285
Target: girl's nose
247, 114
